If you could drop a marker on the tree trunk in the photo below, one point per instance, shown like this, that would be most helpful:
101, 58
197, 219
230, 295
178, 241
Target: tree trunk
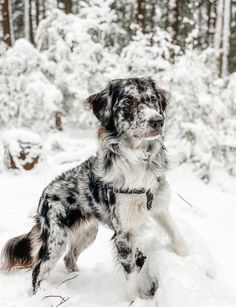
31, 32
226, 36
26, 19
232, 55
211, 12
173, 22
219, 23
141, 14
6, 23
68, 6
42, 13
75, 7
18, 20
202, 35
218, 33
37, 11
11, 22
61, 5
28, 27
167, 16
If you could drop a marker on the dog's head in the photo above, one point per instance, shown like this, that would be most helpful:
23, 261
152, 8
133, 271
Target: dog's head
132, 107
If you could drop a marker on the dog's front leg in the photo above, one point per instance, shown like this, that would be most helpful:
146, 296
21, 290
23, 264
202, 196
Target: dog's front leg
169, 225
126, 256
161, 214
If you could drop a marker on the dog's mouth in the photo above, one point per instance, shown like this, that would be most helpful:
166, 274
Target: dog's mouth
151, 134
154, 134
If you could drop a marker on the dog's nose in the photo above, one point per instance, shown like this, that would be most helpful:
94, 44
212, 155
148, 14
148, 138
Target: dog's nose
156, 122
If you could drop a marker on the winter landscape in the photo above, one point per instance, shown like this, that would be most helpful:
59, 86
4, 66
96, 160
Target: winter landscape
53, 55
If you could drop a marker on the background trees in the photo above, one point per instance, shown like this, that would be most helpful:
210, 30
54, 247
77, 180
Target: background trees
6, 31
55, 53
199, 24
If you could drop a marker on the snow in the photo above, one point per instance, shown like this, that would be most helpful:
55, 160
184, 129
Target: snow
206, 277
23, 135
76, 55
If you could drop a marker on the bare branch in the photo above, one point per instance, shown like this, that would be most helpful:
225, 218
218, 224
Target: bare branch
181, 197
68, 279
63, 299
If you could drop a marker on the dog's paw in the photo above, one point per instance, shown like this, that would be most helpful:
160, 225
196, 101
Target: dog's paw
180, 247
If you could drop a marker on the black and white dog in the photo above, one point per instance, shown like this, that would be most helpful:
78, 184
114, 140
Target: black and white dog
118, 187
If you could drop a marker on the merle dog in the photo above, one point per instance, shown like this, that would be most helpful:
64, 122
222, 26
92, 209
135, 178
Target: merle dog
120, 186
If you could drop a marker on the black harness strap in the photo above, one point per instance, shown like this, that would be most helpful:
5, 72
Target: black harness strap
110, 191
149, 195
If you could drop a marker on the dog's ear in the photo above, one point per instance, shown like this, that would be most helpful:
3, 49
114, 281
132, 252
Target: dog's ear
101, 106
161, 94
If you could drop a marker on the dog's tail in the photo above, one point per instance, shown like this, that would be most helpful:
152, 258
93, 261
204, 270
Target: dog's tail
18, 252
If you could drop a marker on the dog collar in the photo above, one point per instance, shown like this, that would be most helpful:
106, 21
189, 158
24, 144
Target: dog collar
111, 191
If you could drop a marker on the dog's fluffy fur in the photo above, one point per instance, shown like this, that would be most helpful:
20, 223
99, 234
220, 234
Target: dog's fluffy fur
131, 156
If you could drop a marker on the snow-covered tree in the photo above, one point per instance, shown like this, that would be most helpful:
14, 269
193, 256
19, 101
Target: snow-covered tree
77, 58
199, 108
27, 97
77, 54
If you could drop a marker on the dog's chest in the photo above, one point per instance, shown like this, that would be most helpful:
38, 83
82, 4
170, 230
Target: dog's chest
132, 210
136, 174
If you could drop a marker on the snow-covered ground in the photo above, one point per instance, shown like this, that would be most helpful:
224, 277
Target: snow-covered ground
206, 278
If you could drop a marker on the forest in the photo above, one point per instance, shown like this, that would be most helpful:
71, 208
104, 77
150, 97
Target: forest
53, 54
201, 24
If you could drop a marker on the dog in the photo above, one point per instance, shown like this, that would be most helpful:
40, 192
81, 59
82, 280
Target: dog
119, 187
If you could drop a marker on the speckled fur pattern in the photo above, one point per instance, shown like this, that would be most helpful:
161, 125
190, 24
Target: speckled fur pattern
131, 155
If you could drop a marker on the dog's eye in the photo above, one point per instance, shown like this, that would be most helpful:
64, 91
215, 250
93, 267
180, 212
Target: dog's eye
130, 103
154, 102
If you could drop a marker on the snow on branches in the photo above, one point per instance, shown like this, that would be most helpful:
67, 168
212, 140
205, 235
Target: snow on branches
44, 88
